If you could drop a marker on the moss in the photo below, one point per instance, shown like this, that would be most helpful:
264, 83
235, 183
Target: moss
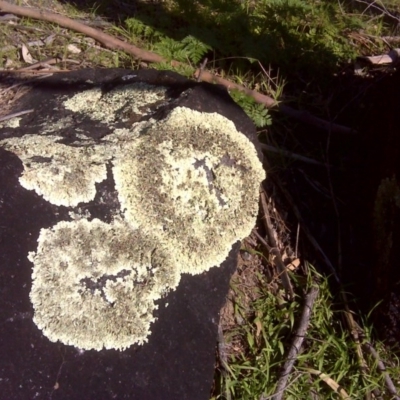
94, 284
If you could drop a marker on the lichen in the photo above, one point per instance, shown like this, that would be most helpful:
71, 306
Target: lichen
130, 98
193, 180
94, 284
63, 174
11, 123
188, 187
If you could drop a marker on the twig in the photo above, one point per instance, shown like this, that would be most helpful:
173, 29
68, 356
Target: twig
283, 390
286, 153
381, 367
305, 229
379, 6
148, 56
17, 114
201, 69
297, 343
273, 249
389, 58
46, 63
297, 240
107, 40
388, 39
329, 381
223, 357
268, 102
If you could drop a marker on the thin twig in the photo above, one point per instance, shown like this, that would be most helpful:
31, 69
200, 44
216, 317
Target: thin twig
299, 375
268, 148
17, 114
329, 381
381, 367
273, 250
223, 357
114, 43
297, 240
268, 102
48, 62
107, 40
296, 344
201, 69
305, 229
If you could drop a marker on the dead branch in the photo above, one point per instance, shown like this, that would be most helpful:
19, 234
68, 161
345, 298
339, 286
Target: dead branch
285, 153
297, 343
107, 40
277, 260
390, 58
381, 367
17, 114
273, 249
305, 229
268, 102
116, 44
223, 358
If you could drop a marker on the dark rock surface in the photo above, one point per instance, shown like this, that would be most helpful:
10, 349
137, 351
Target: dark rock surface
178, 360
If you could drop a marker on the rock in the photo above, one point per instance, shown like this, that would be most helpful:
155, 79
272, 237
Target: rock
124, 196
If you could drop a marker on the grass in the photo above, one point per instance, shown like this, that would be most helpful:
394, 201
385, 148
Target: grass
293, 51
258, 347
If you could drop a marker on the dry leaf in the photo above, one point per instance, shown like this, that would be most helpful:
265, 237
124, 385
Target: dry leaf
259, 327
294, 264
74, 49
26, 56
9, 63
333, 384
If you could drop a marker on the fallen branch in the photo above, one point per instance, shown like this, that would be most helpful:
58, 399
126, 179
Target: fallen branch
390, 58
17, 114
381, 367
330, 382
273, 249
107, 40
303, 116
297, 343
114, 43
285, 153
277, 260
304, 227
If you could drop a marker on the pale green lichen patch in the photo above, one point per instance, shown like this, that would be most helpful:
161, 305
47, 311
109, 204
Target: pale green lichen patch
188, 188
11, 123
56, 126
94, 284
62, 174
131, 98
192, 180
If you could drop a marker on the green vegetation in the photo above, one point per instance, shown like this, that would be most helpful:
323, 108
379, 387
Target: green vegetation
263, 339
304, 41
